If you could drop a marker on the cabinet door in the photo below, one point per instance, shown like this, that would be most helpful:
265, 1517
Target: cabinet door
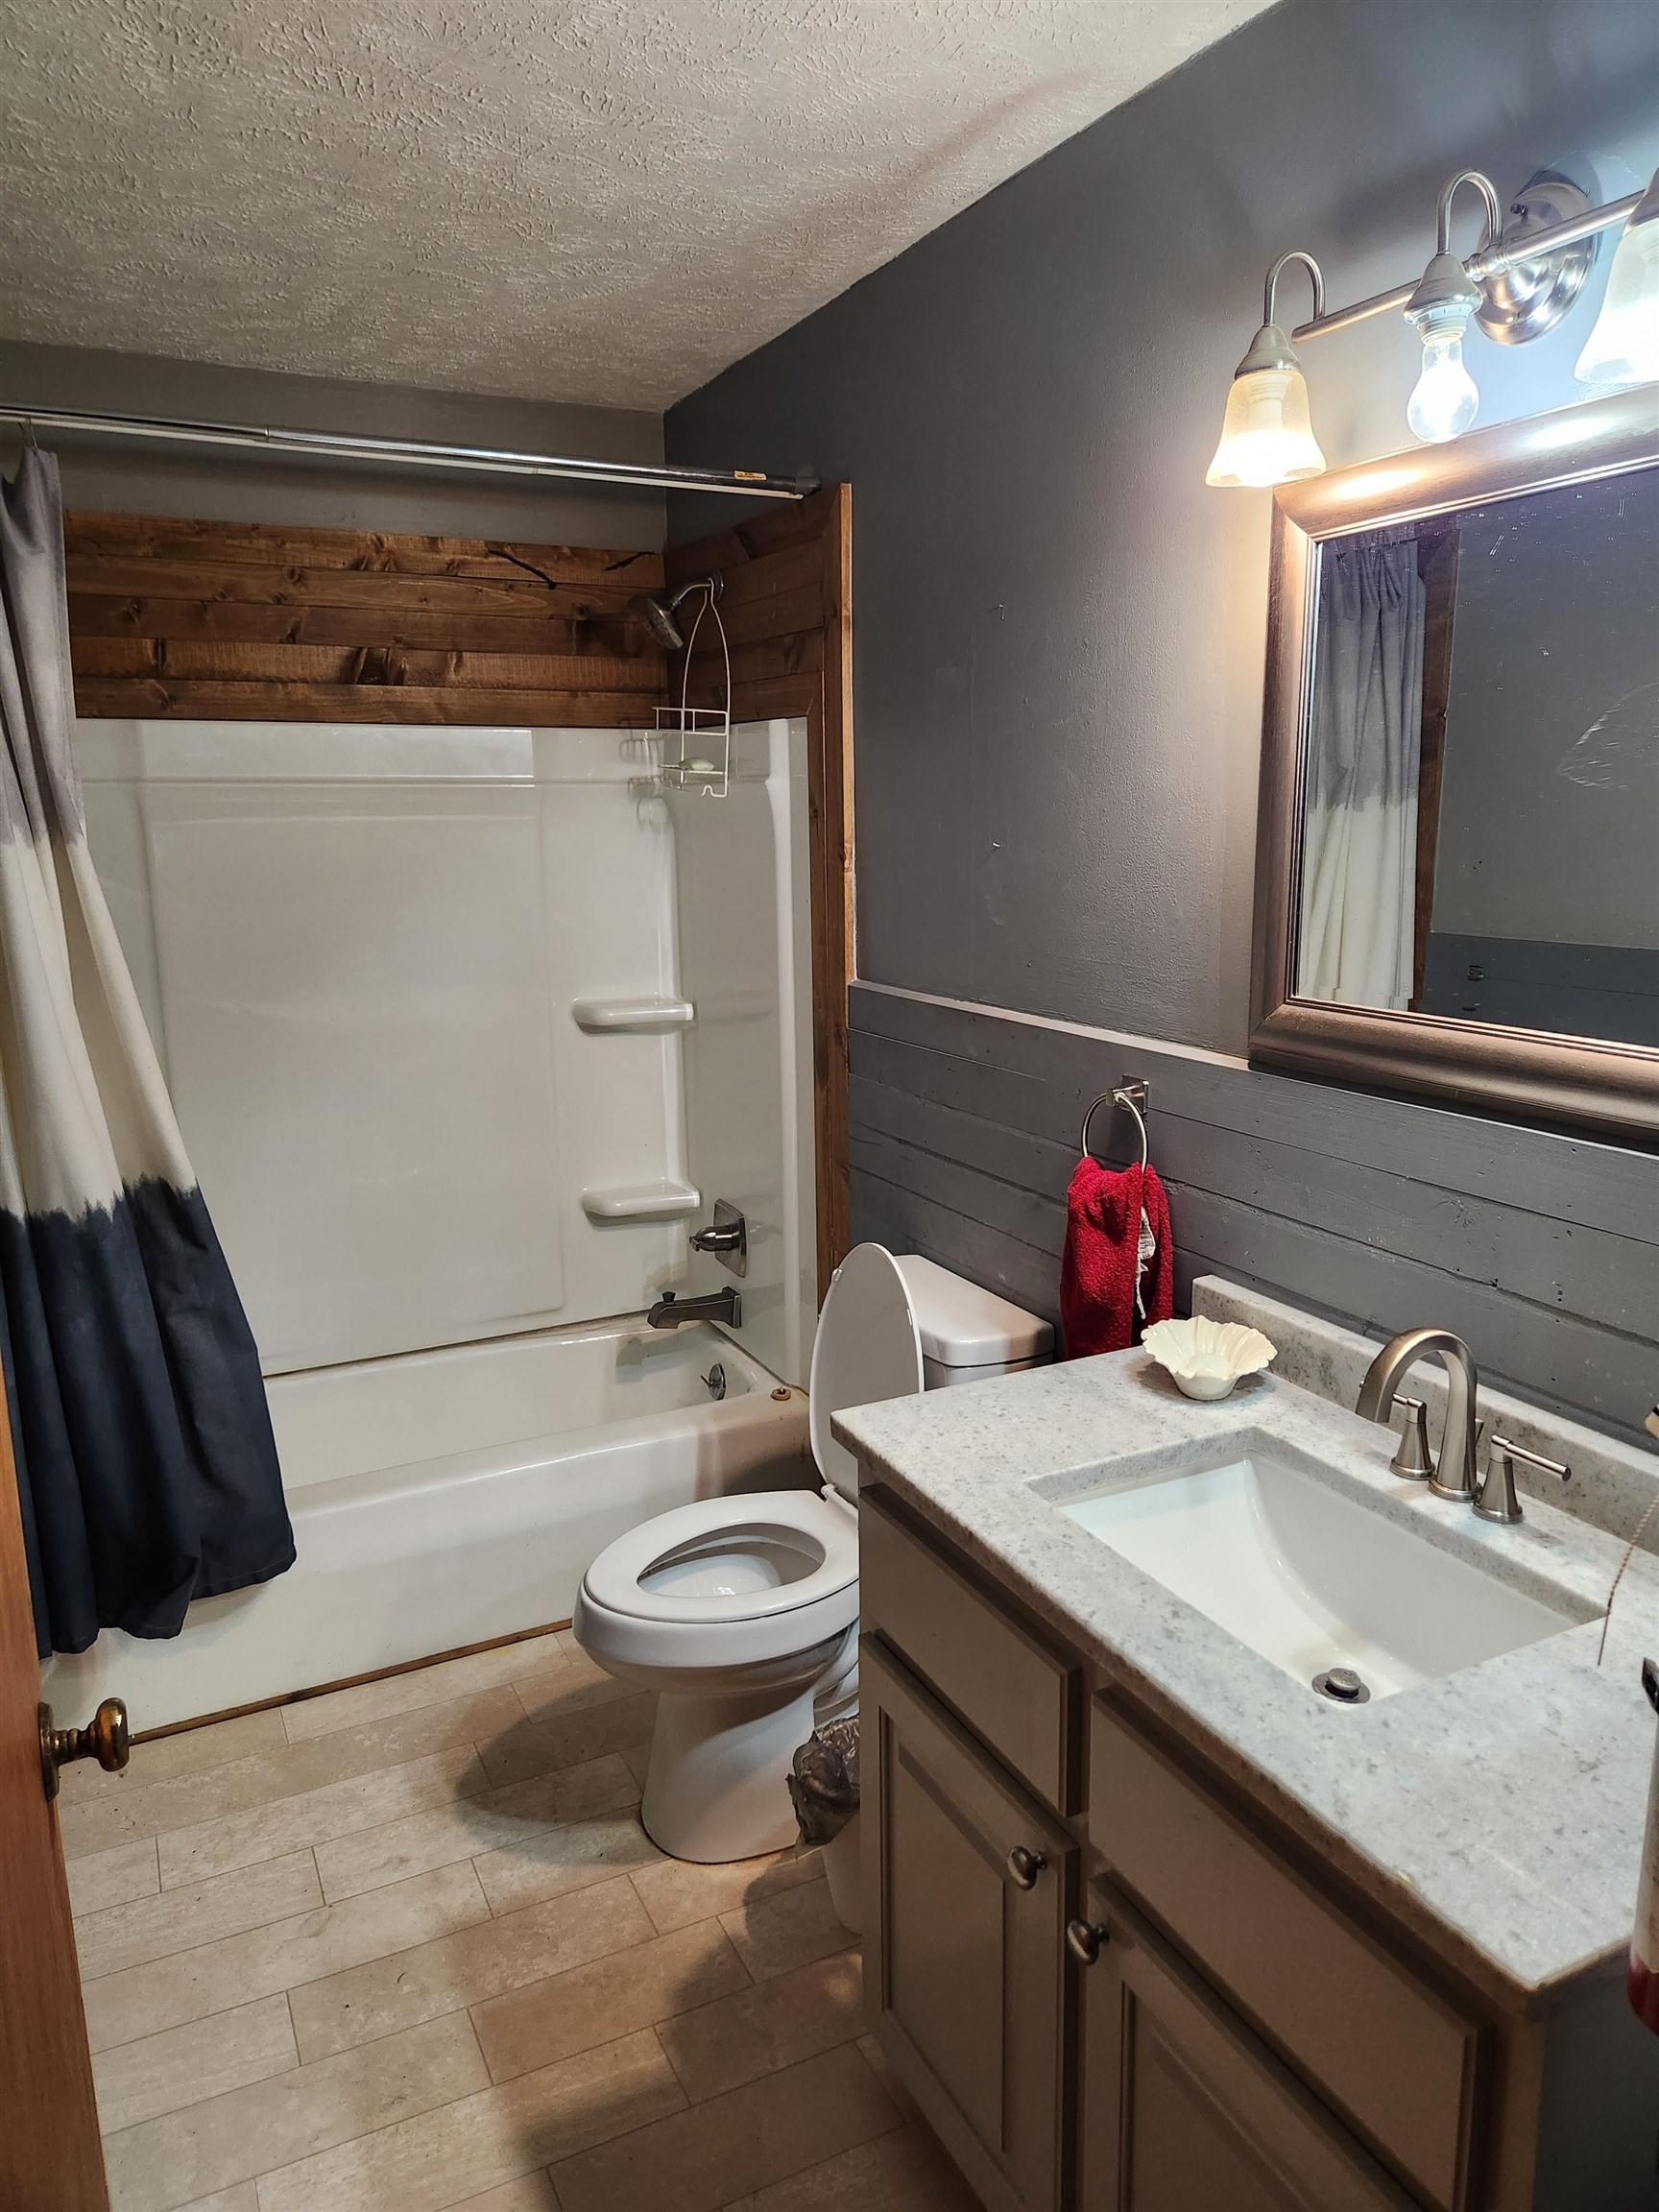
1182, 2110
967, 1889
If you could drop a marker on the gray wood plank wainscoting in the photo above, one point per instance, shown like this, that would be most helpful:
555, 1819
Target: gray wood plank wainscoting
1541, 1249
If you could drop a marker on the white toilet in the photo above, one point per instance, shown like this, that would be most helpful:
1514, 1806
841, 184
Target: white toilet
743, 1611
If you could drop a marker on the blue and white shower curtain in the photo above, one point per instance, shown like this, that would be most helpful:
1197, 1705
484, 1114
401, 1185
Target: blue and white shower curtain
147, 1471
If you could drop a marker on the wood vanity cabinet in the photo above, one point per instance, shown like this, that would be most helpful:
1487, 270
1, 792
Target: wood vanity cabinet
1181, 2108
1111, 1989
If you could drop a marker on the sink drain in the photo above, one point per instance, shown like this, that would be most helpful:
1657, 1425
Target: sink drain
1342, 1686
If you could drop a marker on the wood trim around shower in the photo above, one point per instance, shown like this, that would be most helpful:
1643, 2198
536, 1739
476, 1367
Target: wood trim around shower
273, 622
786, 601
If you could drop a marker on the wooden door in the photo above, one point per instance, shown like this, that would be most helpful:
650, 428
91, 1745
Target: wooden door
1181, 2110
50, 2156
963, 1940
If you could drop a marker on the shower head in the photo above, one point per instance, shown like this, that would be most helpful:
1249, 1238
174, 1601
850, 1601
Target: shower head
657, 610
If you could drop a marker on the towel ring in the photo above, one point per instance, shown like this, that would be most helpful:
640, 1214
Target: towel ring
1132, 1094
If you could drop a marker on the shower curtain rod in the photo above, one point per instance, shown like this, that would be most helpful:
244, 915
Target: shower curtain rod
415, 453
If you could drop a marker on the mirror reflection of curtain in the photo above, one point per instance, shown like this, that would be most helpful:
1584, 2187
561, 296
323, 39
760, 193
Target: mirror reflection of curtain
1359, 826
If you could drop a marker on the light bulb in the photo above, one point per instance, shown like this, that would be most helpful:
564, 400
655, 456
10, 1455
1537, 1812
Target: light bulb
1624, 347
1267, 437
1445, 396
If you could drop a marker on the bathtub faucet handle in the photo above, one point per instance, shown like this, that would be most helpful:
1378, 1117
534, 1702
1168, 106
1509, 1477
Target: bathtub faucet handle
726, 1237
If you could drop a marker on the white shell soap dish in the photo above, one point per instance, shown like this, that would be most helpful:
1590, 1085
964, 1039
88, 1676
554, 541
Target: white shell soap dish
1205, 1358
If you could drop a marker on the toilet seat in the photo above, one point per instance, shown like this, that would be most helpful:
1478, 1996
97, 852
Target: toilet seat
822, 1536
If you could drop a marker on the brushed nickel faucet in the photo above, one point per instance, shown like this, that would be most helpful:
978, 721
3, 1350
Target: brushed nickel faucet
1454, 1475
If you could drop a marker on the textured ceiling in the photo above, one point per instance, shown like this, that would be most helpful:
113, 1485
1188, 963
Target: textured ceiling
580, 200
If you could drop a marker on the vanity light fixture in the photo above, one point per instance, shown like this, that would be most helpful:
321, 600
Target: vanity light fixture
1524, 279
1267, 434
1624, 347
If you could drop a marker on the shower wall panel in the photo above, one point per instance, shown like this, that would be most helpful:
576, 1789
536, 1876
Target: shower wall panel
359, 950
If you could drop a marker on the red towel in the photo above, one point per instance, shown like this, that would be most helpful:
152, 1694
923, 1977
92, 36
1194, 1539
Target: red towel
1102, 1258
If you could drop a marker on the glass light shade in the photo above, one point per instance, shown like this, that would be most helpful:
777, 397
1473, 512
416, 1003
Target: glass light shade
1624, 347
1445, 399
1268, 435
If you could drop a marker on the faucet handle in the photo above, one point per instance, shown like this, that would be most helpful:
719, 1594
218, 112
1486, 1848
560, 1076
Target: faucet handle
1412, 1457
1495, 1500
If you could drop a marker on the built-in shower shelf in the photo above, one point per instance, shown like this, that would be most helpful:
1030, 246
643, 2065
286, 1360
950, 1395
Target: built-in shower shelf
663, 1200
633, 1014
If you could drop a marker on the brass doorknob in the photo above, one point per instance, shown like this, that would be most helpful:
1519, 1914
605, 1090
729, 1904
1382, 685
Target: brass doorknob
105, 1738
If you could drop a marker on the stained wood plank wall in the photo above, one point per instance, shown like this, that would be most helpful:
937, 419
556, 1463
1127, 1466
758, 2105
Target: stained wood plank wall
1542, 1250
786, 602
256, 621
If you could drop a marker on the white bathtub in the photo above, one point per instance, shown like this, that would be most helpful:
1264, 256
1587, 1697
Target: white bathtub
445, 1497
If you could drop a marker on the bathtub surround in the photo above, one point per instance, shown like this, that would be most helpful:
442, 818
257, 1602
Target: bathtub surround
451, 1135
147, 1471
1058, 686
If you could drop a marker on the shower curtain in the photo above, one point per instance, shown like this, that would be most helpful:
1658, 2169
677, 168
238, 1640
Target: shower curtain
147, 1470
1360, 827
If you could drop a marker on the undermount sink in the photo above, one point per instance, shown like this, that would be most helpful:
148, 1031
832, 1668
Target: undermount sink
1309, 1576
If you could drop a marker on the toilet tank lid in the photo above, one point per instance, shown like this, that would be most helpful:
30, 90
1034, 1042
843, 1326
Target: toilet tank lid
963, 1326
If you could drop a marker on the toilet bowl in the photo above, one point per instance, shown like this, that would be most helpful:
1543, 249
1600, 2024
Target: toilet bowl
742, 1612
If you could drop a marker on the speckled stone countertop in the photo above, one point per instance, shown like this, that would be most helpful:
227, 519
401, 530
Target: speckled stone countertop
1499, 1809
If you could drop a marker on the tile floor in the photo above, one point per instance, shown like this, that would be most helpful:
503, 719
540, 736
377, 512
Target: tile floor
406, 1948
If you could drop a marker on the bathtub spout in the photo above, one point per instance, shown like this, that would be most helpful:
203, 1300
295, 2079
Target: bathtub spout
669, 1311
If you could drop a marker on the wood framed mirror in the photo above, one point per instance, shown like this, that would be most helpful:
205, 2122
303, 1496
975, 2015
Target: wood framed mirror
1457, 848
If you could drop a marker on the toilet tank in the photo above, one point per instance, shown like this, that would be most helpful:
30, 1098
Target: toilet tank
969, 1333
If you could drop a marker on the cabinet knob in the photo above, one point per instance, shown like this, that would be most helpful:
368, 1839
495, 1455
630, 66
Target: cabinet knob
1084, 1939
1025, 1866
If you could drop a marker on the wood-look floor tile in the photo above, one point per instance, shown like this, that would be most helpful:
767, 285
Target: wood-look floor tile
675, 1891
907, 2171
603, 1785
175, 1758
477, 2144
417, 1686
773, 1933
532, 2194
760, 2029
313, 1816
200, 1912
188, 2065
698, 2161
163, 2163
571, 1856
143, 2000
513, 1822
390, 1992
262, 1778
564, 1729
242, 2197
114, 1877
607, 1999
638, 1759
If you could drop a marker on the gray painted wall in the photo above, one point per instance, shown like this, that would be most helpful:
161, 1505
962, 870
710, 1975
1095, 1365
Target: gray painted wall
1059, 629
1058, 651
235, 487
